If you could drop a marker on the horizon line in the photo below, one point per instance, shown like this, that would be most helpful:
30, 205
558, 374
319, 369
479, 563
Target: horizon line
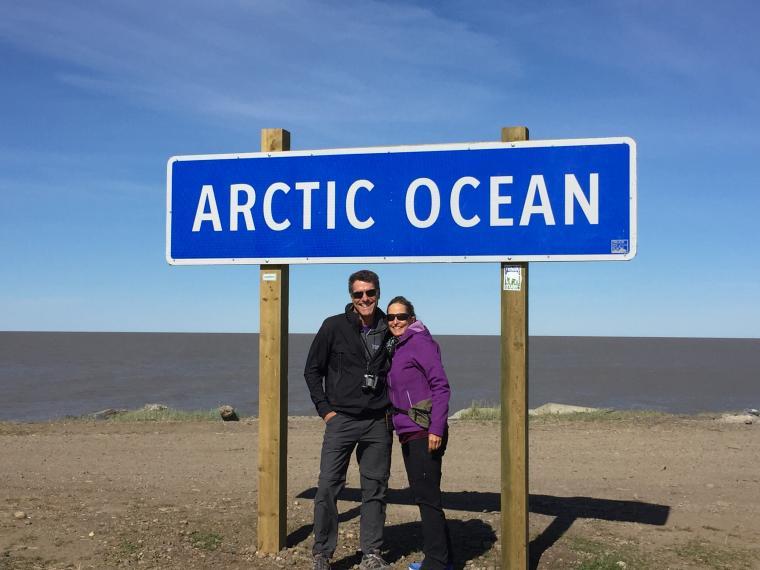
32, 331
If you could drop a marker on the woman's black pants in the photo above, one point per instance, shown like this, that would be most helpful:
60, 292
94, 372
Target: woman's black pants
424, 471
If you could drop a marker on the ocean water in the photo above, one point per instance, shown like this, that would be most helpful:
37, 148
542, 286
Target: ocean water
45, 375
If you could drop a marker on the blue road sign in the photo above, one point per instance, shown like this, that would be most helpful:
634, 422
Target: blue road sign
564, 200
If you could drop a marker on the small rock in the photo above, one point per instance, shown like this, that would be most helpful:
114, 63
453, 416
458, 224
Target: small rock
228, 413
19, 515
107, 413
91, 534
154, 407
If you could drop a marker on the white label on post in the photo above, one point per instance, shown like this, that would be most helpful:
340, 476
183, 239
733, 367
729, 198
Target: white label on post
512, 278
269, 277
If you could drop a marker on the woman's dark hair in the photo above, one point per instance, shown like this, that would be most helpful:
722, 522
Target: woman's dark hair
404, 301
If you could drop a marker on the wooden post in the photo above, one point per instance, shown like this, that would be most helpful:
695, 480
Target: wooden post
514, 403
273, 388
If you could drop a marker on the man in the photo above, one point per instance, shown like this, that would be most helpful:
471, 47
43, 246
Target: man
345, 372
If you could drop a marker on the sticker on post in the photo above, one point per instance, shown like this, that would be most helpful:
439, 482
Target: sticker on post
269, 277
512, 278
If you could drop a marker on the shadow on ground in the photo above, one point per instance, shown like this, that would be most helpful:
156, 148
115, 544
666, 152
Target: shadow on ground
566, 510
476, 536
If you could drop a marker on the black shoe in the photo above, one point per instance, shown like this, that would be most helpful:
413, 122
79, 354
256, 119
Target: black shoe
373, 561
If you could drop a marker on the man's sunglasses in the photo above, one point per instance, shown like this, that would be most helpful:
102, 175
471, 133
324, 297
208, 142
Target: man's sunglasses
371, 293
398, 316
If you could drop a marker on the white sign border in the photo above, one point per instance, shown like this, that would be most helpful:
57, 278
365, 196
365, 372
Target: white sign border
412, 259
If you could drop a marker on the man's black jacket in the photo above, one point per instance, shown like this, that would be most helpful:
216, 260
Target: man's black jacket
339, 357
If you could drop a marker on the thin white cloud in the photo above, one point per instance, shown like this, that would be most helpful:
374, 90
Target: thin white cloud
298, 60
384, 66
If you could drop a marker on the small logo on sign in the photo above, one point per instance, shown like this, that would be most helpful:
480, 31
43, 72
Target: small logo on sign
512, 278
619, 246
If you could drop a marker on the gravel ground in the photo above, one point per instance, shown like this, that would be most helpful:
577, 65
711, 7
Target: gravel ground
638, 492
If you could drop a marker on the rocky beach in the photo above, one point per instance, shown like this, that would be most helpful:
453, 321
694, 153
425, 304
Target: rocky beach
612, 490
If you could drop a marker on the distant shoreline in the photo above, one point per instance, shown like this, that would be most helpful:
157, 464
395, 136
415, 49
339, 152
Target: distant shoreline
471, 414
295, 333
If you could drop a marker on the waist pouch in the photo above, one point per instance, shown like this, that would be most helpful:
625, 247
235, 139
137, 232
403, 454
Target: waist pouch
419, 413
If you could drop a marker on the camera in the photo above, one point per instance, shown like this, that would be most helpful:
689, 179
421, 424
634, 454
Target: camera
369, 383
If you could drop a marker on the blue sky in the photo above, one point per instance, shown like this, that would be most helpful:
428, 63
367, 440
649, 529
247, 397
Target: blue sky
97, 95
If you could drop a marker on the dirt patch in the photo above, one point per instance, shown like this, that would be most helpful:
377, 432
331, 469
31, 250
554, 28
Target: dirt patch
614, 492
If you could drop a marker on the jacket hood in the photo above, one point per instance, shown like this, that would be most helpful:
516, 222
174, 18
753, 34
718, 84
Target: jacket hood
417, 327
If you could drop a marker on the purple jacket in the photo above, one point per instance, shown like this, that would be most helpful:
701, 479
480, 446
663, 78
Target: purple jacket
417, 374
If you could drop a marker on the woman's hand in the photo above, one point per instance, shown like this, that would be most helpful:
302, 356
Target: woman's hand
434, 442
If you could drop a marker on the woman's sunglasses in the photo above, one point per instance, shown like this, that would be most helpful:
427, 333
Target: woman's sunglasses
398, 316
371, 293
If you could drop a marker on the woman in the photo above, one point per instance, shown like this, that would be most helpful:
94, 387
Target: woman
419, 390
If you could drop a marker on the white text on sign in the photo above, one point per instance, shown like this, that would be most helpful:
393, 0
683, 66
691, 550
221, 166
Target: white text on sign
242, 201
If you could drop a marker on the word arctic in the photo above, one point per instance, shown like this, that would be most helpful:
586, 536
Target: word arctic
537, 200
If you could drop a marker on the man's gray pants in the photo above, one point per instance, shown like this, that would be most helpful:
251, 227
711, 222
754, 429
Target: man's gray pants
372, 441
